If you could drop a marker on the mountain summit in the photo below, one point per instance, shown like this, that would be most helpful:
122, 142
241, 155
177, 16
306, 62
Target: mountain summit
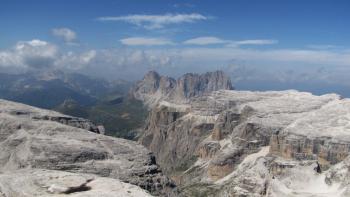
154, 87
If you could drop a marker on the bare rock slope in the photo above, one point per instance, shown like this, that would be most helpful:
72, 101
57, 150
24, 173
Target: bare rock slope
44, 183
32, 138
242, 143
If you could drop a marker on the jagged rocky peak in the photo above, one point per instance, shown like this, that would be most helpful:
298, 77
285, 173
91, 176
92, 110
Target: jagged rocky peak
153, 82
153, 87
58, 152
190, 85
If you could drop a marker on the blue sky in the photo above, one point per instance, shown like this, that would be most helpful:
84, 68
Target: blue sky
285, 41
294, 24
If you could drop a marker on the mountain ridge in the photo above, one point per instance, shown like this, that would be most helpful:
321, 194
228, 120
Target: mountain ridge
154, 87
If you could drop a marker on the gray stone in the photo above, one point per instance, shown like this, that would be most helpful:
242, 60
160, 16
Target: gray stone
27, 141
51, 183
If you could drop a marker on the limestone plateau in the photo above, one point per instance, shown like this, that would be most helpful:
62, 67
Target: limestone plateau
215, 141
45, 153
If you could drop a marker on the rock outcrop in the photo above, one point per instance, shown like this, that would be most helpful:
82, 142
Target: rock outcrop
154, 88
32, 138
21, 110
45, 183
242, 143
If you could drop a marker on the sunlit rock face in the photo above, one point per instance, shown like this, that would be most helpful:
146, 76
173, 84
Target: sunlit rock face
33, 138
323, 135
232, 143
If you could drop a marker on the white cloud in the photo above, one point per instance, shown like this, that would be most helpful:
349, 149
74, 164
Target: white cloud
88, 56
250, 42
255, 42
175, 61
139, 41
155, 21
34, 43
209, 40
38, 54
205, 41
75, 61
294, 56
29, 54
68, 35
321, 47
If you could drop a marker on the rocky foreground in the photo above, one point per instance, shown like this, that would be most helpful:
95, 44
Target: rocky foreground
44, 153
221, 142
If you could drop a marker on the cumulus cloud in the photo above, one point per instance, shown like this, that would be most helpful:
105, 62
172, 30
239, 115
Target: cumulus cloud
206, 40
155, 21
137, 41
38, 54
29, 54
75, 61
66, 34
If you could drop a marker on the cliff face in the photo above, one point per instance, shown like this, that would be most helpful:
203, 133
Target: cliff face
243, 121
323, 135
191, 85
32, 138
232, 143
153, 87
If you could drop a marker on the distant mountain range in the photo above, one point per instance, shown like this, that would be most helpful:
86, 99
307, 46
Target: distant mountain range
103, 102
49, 89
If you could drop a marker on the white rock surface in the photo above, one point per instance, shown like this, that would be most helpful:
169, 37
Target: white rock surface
50, 183
331, 120
29, 142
